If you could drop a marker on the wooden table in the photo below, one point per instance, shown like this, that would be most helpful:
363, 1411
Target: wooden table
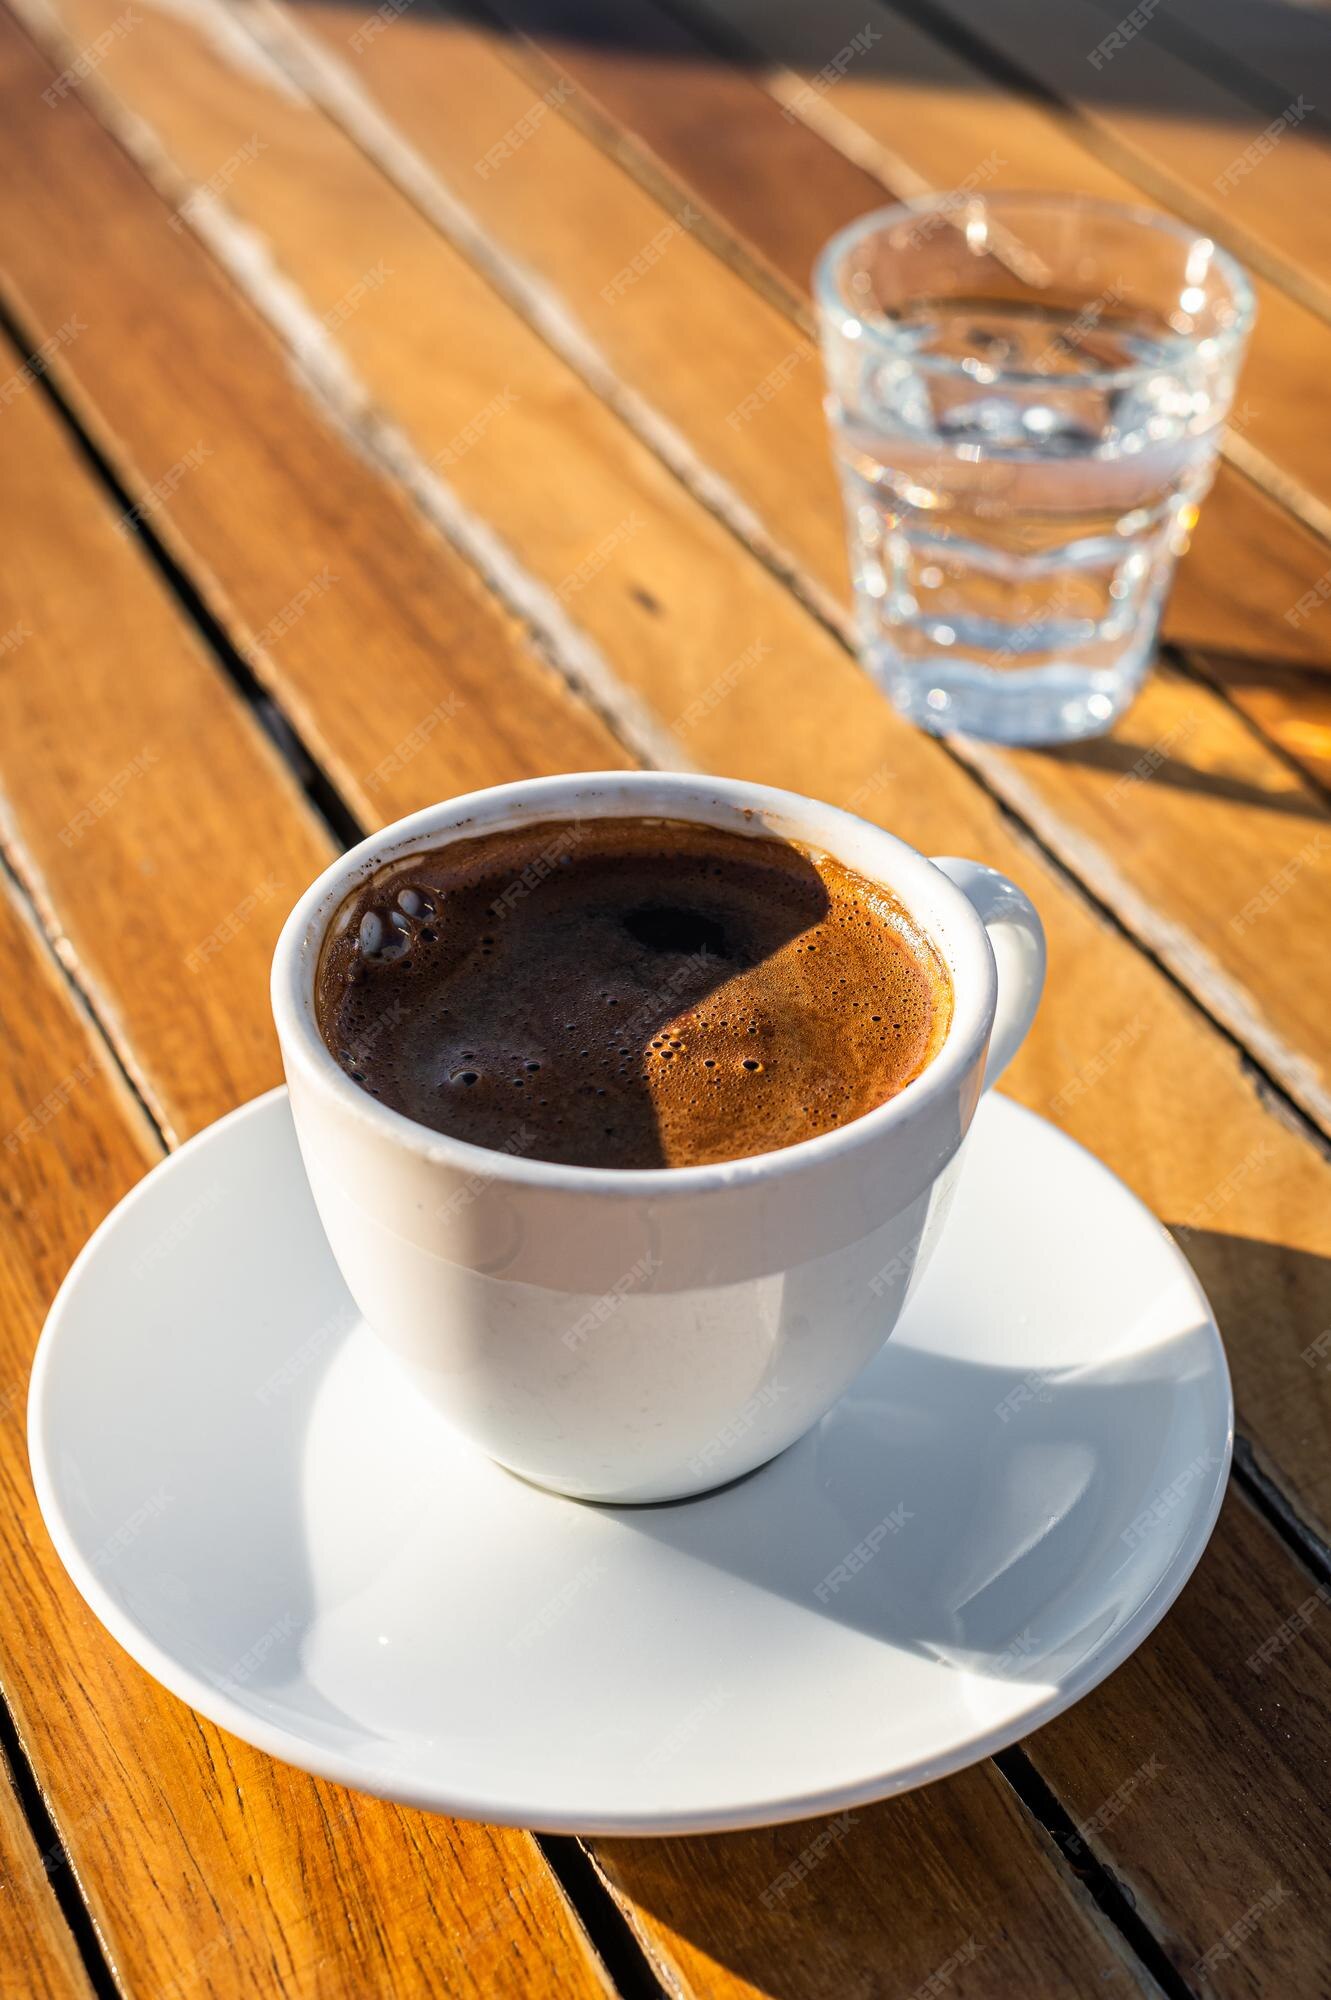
392, 404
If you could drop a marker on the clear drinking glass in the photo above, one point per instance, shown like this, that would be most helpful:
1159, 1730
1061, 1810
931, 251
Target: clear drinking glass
1026, 397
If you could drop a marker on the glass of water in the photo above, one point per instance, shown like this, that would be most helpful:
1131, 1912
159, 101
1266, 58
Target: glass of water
1027, 393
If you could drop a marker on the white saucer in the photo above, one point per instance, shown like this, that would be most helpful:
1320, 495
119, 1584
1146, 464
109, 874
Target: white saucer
272, 1523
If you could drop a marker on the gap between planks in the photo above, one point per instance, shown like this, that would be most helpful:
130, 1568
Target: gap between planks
57, 1866
1044, 1806
38, 1814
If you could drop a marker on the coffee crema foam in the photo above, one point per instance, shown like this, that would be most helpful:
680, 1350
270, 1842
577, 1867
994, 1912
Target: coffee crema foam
629, 993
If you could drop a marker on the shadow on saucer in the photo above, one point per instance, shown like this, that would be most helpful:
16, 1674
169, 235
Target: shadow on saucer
952, 1510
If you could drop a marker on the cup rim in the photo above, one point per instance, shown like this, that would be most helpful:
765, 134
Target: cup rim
839, 312
942, 910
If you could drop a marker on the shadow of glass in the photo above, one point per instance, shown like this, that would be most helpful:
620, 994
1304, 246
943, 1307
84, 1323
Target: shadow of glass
1293, 699
1146, 763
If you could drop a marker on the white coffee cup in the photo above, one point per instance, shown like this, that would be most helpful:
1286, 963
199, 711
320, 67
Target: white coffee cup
645, 1335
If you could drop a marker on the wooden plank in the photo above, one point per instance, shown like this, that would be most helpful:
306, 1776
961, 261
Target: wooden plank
622, 59
1236, 592
131, 858
397, 611
716, 1917
1228, 1684
1292, 708
1179, 1117
38, 1956
205, 842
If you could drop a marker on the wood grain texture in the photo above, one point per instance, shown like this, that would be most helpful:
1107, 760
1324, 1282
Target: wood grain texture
169, 1822
1236, 593
1227, 1684
825, 1907
1292, 708
696, 1932
323, 572
38, 1957
1228, 1878
919, 112
907, 114
1237, 606
1182, 857
351, 1852
201, 1860
1180, 1117
754, 687
167, 893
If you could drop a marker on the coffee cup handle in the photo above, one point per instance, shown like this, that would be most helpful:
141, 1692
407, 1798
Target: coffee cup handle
1017, 937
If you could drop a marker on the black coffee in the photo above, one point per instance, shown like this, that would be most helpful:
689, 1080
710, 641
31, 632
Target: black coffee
629, 992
